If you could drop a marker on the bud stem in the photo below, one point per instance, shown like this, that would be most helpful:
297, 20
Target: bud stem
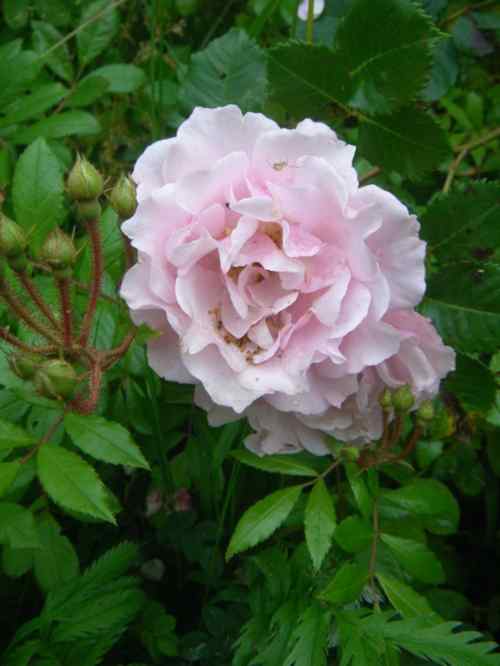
410, 444
95, 288
25, 315
87, 405
63, 285
114, 355
37, 298
396, 430
385, 432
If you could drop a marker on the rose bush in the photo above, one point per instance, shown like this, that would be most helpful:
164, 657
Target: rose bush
278, 285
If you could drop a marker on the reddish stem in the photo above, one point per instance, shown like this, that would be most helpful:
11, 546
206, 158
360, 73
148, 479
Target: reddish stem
396, 431
37, 298
129, 252
95, 287
385, 432
26, 316
87, 405
410, 444
115, 354
15, 342
65, 301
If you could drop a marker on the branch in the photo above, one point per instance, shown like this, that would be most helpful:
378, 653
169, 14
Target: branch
463, 150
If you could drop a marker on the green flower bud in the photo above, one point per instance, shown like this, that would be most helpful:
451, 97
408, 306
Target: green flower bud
403, 399
12, 238
84, 183
24, 365
88, 211
385, 400
58, 251
425, 412
350, 453
123, 198
56, 379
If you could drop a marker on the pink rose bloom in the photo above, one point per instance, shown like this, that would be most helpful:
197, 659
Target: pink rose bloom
279, 287
318, 7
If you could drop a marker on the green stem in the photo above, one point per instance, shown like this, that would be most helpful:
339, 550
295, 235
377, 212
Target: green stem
310, 22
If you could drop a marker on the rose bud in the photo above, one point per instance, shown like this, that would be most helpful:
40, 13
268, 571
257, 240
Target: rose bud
12, 238
425, 412
182, 500
88, 211
84, 183
154, 502
123, 198
56, 379
58, 252
24, 365
403, 399
153, 570
385, 400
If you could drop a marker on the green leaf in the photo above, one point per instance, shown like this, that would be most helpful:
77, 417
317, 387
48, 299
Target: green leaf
72, 482
121, 78
346, 585
18, 69
274, 463
37, 191
231, 70
262, 519
444, 71
21, 655
320, 522
33, 104
17, 561
407, 141
45, 36
17, 526
426, 499
306, 79
56, 561
16, 13
310, 638
104, 440
416, 558
387, 66
357, 481
12, 436
87, 91
57, 126
462, 226
404, 598
157, 632
463, 301
113, 564
99, 33
472, 383
8, 473
354, 534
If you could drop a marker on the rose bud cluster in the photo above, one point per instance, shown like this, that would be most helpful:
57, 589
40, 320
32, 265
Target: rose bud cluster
279, 286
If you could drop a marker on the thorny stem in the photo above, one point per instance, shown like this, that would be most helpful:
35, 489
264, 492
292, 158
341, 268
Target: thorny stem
37, 298
95, 287
463, 150
370, 174
15, 342
25, 315
87, 405
410, 444
115, 354
63, 285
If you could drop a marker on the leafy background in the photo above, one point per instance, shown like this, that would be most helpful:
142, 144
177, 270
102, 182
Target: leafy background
395, 566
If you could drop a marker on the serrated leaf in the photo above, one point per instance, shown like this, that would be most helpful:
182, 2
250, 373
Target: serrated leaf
310, 638
121, 78
18, 69
407, 141
21, 655
463, 301
279, 464
306, 79
387, 66
45, 36
58, 126
346, 585
56, 561
320, 522
231, 70
404, 598
416, 558
98, 34
87, 91
462, 226
262, 519
8, 473
426, 499
34, 104
17, 526
16, 13
354, 534
114, 563
73, 483
37, 191
12, 436
104, 440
